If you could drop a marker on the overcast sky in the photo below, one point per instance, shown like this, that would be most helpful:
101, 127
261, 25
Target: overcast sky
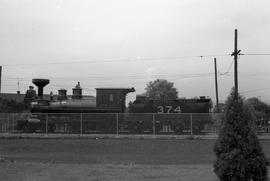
126, 43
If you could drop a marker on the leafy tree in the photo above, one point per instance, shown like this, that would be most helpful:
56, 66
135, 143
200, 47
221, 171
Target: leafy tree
161, 88
257, 103
238, 151
260, 110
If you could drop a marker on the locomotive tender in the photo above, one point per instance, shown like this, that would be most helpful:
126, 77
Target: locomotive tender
99, 115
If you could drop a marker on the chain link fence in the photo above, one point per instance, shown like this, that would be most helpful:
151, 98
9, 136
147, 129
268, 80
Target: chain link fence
114, 123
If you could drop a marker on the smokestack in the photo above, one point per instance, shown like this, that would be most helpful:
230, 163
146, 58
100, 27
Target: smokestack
40, 83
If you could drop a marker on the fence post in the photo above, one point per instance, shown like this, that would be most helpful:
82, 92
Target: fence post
216, 122
191, 124
8, 124
1, 120
117, 122
154, 125
46, 124
13, 122
81, 123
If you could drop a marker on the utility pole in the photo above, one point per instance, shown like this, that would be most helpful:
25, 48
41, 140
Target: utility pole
216, 84
235, 54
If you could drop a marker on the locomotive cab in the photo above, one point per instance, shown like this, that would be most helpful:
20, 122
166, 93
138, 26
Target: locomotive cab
113, 97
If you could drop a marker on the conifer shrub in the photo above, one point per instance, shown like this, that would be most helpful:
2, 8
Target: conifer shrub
239, 156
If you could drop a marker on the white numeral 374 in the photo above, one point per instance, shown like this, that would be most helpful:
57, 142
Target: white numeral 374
168, 109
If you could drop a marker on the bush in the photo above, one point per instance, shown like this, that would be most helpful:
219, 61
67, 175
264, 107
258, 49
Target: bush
238, 151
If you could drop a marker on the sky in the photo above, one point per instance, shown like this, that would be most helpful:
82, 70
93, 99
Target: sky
127, 43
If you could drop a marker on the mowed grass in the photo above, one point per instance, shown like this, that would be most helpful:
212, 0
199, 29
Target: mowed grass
104, 172
108, 159
107, 151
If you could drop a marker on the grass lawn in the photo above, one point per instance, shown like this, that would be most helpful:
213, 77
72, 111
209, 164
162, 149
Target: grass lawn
23, 171
108, 159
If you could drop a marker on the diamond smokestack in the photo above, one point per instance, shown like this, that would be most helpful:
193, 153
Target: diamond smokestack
40, 83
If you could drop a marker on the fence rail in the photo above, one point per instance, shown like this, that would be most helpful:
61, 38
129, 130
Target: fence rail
114, 123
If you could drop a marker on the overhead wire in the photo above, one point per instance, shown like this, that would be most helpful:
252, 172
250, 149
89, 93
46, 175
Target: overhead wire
126, 60
228, 70
255, 54
255, 90
112, 77
107, 83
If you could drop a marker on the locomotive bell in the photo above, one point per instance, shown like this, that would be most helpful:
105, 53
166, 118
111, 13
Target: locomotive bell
40, 83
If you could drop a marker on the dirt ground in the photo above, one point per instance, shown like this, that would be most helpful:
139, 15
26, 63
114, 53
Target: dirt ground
108, 159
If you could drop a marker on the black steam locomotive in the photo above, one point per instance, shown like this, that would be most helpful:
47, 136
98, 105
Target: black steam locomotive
107, 112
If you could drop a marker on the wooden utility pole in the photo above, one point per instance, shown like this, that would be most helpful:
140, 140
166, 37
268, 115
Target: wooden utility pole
216, 84
235, 54
235, 62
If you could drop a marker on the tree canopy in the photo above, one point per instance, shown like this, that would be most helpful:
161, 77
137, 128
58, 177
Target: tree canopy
161, 88
260, 111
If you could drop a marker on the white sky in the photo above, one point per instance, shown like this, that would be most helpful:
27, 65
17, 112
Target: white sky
107, 42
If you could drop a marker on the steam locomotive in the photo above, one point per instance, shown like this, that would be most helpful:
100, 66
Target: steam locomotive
107, 112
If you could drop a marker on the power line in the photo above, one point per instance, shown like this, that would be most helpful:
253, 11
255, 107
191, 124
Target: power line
255, 90
102, 78
228, 70
111, 77
128, 60
255, 54
250, 77
134, 59
107, 82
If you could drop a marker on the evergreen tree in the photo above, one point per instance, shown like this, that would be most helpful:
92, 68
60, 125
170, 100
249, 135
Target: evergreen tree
238, 151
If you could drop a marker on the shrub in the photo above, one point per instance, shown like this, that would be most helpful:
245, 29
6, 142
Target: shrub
238, 151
